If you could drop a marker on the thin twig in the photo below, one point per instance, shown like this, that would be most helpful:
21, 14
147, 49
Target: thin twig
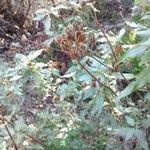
37, 140
99, 25
29, 7
111, 47
98, 61
14, 143
100, 83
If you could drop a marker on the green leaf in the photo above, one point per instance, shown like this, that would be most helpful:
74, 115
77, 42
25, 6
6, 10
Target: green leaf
144, 34
130, 121
128, 76
34, 54
88, 93
121, 34
17, 89
3, 145
138, 50
128, 90
128, 133
19, 124
146, 17
83, 77
15, 78
135, 25
47, 24
144, 78
98, 102
41, 65
146, 58
69, 75
20, 58
40, 14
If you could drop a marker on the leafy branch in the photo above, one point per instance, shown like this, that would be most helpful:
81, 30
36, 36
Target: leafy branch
111, 47
100, 83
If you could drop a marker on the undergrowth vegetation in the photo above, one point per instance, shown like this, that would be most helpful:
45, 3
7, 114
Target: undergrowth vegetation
87, 88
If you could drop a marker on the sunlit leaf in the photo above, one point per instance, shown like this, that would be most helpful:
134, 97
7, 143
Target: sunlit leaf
98, 102
15, 78
35, 54
40, 14
146, 58
47, 24
130, 121
20, 58
88, 93
121, 34
128, 90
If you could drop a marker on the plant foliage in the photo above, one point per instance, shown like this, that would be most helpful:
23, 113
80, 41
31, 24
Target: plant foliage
87, 89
